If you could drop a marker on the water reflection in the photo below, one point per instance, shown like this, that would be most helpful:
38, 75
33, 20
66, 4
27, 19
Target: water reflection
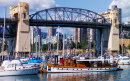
91, 76
88, 76
20, 78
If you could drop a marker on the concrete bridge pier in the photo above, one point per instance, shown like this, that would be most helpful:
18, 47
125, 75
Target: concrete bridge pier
102, 36
21, 13
113, 43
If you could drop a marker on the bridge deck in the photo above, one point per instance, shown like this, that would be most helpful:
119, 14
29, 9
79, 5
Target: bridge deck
69, 24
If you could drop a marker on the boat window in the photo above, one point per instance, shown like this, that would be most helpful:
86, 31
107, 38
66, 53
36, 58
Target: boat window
125, 58
9, 66
18, 64
80, 62
13, 65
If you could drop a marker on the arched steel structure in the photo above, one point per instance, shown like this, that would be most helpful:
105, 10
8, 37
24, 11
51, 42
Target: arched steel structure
63, 16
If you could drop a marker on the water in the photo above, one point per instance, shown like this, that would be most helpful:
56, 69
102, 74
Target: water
123, 75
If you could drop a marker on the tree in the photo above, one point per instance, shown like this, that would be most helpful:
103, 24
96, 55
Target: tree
55, 46
44, 47
79, 46
128, 46
72, 45
84, 42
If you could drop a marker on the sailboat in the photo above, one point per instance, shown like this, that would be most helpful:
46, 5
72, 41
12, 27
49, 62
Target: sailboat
15, 67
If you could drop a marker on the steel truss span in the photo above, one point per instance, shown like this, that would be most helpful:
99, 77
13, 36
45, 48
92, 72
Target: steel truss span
10, 27
67, 17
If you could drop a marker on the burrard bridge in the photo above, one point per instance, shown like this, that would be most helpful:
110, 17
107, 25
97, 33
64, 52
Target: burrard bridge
17, 26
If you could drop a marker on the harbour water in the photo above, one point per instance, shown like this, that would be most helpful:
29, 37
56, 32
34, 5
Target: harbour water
123, 75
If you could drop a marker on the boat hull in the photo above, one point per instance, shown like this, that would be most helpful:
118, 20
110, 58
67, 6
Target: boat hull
124, 63
19, 72
72, 70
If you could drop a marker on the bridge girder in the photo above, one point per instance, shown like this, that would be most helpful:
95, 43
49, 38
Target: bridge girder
10, 27
67, 17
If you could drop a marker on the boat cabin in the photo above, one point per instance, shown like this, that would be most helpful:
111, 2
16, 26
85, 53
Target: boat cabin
86, 63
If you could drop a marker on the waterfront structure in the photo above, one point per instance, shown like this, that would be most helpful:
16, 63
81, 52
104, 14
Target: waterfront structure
21, 13
114, 17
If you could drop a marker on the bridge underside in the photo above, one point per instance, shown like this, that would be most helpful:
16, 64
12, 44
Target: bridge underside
10, 28
94, 25
124, 26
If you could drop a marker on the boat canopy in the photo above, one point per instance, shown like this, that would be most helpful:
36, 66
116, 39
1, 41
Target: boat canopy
15, 62
90, 60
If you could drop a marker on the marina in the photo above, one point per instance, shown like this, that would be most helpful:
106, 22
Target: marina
41, 46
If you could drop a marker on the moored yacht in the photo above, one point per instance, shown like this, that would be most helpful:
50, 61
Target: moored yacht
84, 65
15, 67
122, 60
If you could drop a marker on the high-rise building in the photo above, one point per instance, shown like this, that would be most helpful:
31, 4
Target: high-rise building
51, 32
35, 34
79, 34
76, 35
92, 35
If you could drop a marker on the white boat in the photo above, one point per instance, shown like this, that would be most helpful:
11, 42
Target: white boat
122, 60
85, 65
15, 67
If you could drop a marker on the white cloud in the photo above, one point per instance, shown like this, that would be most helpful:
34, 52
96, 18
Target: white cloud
33, 4
125, 6
66, 30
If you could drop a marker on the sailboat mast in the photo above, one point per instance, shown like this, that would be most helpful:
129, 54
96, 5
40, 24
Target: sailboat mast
29, 41
63, 44
101, 45
39, 44
122, 39
36, 41
58, 41
3, 34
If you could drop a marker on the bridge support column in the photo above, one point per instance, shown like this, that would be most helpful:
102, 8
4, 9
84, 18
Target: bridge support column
98, 41
21, 12
113, 43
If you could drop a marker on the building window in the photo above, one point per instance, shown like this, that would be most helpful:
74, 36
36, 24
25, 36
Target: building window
24, 15
115, 20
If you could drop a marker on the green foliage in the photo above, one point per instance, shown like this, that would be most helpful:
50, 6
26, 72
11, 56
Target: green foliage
0, 47
93, 45
84, 42
128, 46
79, 46
55, 46
72, 45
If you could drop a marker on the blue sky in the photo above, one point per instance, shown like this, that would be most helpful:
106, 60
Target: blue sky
98, 6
